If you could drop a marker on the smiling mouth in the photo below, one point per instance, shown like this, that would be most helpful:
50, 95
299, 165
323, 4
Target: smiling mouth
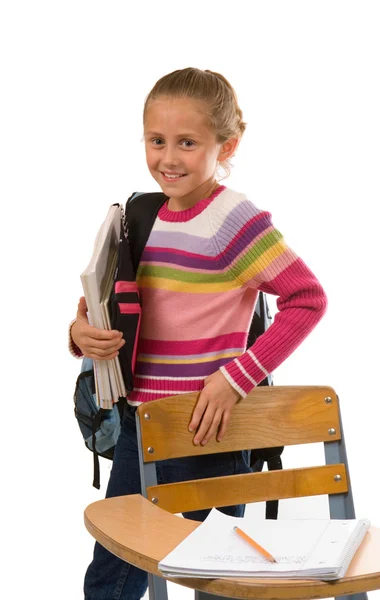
173, 177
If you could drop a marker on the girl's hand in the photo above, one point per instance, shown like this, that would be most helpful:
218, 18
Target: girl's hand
213, 409
98, 344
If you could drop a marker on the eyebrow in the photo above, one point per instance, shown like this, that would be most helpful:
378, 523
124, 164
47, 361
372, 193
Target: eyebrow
181, 135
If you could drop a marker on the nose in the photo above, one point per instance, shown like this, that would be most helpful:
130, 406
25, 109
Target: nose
170, 156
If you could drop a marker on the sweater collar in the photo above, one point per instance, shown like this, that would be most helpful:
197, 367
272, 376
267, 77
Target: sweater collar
165, 214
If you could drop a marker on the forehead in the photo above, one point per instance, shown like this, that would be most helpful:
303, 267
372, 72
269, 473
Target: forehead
171, 115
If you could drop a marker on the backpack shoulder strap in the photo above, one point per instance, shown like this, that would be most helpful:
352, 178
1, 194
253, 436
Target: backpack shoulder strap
140, 214
272, 456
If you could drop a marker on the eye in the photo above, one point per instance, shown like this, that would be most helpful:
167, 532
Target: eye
158, 140
188, 143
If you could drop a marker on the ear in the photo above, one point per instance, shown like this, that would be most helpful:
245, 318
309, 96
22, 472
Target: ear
228, 149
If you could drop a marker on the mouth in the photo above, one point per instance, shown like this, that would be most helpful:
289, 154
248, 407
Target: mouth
172, 177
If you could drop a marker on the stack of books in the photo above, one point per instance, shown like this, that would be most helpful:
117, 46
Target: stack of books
97, 282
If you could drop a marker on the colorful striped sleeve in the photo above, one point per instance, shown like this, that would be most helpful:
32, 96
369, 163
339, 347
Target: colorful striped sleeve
264, 261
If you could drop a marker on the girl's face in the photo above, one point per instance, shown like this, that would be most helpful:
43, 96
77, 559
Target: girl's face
181, 148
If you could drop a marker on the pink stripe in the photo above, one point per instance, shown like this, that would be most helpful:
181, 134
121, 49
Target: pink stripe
233, 309
297, 274
221, 342
129, 309
134, 355
168, 385
125, 286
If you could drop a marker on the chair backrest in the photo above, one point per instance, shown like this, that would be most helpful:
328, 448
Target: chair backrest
267, 417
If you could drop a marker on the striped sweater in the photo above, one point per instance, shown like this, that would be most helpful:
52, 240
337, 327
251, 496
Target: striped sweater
199, 278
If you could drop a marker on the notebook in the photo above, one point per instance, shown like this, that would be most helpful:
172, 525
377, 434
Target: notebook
94, 282
303, 548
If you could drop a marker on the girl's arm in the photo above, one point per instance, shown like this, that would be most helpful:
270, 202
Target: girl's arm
255, 254
268, 264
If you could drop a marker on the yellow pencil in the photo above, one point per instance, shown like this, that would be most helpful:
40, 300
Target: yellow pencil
254, 544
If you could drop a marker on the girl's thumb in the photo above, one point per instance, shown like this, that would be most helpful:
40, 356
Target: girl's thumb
82, 306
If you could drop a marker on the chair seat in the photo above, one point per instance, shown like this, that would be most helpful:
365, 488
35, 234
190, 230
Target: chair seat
141, 533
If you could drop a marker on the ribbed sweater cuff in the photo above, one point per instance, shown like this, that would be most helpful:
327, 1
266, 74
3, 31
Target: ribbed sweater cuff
73, 348
237, 374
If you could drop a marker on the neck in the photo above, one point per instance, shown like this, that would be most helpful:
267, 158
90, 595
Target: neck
190, 200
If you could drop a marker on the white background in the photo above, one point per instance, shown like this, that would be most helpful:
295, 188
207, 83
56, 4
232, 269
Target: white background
74, 76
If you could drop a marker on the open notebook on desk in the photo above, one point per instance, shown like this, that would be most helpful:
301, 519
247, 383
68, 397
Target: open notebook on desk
304, 549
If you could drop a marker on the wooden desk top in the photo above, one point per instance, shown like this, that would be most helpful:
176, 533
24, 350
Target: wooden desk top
148, 538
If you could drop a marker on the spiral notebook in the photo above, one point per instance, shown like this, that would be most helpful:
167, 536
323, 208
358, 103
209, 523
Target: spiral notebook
303, 548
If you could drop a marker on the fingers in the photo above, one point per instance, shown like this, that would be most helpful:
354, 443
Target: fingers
210, 419
103, 336
96, 356
223, 426
104, 352
199, 409
101, 349
206, 418
98, 344
209, 425
213, 410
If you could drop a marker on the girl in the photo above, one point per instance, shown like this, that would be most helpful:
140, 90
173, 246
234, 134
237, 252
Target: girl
209, 253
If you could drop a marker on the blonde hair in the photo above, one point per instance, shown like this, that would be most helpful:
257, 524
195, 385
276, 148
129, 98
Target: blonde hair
222, 110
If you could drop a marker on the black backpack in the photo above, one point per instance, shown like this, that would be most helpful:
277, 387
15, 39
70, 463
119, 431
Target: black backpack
140, 214
271, 456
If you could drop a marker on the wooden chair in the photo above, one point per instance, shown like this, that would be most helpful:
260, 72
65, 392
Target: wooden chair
142, 529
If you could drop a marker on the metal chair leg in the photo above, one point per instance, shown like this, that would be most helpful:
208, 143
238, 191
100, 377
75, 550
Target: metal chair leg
204, 596
157, 588
341, 505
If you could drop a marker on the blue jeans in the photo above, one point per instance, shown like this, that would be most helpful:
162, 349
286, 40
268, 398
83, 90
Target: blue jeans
109, 577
